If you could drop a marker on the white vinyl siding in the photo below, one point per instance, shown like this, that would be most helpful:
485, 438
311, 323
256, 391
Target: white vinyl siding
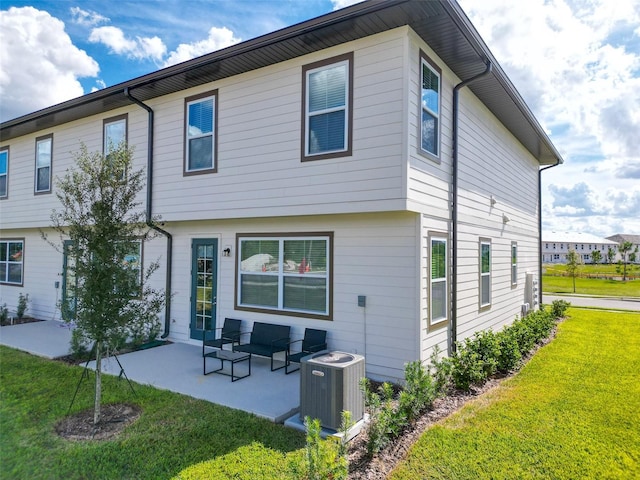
200, 134
44, 152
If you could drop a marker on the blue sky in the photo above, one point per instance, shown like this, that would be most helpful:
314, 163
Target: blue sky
575, 62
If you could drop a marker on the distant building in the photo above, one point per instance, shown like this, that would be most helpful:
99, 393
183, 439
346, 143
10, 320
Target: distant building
556, 245
620, 238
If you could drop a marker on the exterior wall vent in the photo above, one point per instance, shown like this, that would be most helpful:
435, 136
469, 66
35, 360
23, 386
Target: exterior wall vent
329, 384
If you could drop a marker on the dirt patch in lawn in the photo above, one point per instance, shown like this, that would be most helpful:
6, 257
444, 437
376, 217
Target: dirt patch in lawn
114, 418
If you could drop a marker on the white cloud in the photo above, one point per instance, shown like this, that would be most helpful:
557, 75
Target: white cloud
39, 65
569, 61
338, 4
138, 48
218, 38
87, 18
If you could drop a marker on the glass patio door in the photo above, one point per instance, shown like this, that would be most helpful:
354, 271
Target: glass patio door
204, 268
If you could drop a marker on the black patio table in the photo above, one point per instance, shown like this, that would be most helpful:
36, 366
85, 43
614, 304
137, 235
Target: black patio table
227, 356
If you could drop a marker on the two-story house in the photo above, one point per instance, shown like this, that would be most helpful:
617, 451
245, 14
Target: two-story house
371, 172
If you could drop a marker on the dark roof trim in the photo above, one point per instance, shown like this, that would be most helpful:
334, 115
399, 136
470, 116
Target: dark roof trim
441, 24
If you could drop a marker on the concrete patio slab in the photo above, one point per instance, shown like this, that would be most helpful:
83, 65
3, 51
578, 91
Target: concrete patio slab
49, 338
178, 367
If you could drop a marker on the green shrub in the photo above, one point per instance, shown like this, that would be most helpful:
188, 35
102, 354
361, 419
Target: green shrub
4, 314
386, 422
440, 368
23, 304
467, 368
419, 391
559, 307
510, 356
322, 459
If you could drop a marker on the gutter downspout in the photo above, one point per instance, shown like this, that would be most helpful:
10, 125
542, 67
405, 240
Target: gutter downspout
149, 222
454, 207
540, 228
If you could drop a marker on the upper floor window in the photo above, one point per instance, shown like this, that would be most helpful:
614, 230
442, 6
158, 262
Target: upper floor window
328, 93
115, 133
485, 273
11, 261
289, 274
430, 106
438, 281
44, 152
200, 133
4, 172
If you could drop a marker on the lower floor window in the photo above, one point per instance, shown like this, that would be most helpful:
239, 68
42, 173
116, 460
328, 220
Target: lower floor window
11, 261
286, 274
438, 280
485, 273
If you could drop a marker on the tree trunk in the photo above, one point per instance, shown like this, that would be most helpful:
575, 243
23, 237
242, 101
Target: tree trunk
574, 284
98, 395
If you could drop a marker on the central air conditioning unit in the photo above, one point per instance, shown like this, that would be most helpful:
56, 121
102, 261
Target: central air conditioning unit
329, 384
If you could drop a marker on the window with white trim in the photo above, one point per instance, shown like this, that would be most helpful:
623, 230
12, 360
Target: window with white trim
514, 263
285, 273
200, 133
327, 89
438, 302
430, 76
11, 261
115, 133
485, 273
4, 173
44, 152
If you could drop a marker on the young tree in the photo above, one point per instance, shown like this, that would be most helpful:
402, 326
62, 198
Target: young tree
628, 256
596, 256
611, 254
574, 261
102, 217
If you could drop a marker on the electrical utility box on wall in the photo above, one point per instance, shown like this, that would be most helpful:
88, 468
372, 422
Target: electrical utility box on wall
329, 384
531, 291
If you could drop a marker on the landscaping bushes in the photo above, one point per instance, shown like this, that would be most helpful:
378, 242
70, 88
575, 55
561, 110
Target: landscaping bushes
475, 360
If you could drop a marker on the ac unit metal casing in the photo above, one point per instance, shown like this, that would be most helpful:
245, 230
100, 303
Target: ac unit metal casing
329, 384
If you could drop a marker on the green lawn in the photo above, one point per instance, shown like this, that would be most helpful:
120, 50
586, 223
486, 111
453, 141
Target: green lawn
591, 286
173, 433
573, 412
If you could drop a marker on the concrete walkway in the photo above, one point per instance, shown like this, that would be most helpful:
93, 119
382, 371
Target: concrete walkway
597, 302
176, 367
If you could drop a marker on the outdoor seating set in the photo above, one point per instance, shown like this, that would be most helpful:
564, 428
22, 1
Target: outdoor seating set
265, 340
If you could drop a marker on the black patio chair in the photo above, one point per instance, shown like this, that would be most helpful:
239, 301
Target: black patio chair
229, 333
313, 341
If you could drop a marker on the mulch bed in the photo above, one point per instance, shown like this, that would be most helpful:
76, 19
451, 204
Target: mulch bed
19, 321
114, 418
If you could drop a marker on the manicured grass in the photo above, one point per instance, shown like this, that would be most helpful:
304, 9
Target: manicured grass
591, 286
173, 433
572, 412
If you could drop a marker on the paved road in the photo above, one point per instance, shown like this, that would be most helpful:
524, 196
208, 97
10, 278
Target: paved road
613, 303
